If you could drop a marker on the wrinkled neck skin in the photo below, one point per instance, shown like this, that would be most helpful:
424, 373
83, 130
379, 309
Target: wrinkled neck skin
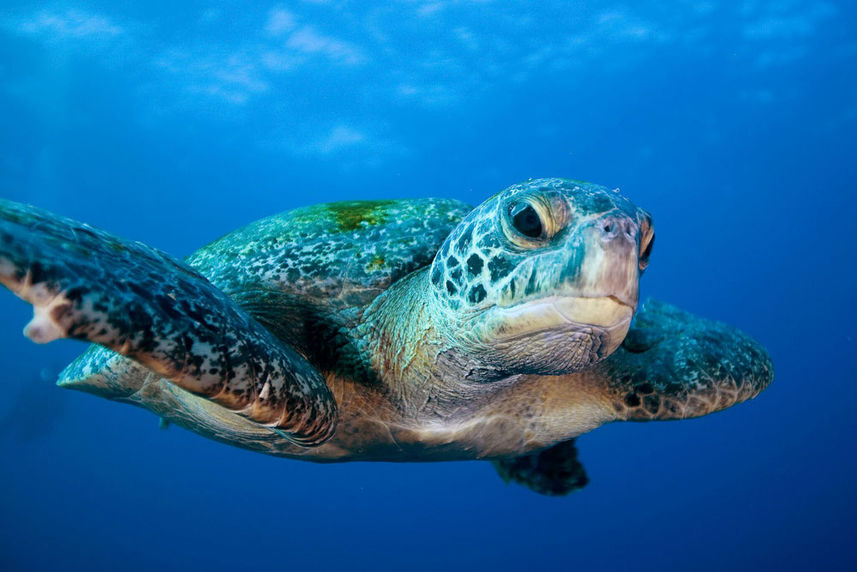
446, 404
412, 348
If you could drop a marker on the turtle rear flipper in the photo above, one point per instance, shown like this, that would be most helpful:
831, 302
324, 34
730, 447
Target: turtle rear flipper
137, 301
554, 471
103, 372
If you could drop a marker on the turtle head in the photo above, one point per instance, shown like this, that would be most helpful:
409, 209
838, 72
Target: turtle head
543, 277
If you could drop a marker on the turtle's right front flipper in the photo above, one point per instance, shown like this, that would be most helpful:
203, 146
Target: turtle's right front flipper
89, 285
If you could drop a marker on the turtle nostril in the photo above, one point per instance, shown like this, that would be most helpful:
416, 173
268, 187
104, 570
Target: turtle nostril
609, 228
614, 227
629, 229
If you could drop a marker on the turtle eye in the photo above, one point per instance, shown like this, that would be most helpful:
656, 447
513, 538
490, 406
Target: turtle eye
646, 251
526, 220
647, 238
530, 221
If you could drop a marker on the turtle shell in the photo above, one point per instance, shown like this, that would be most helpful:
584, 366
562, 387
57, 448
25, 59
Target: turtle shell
308, 272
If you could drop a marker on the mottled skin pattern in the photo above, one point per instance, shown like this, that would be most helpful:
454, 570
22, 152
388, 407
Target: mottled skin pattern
87, 285
390, 330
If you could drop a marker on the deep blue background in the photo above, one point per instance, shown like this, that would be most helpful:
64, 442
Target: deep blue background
733, 123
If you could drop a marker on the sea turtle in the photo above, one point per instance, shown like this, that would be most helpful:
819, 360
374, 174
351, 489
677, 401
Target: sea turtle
407, 330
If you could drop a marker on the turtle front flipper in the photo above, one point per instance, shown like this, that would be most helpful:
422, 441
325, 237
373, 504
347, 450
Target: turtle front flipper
671, 365
675, 365
89, 285
554, 471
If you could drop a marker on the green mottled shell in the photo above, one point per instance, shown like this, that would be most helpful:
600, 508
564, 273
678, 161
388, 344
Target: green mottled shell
319, 266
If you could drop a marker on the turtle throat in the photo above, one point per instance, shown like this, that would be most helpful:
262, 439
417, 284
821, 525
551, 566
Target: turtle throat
411, 344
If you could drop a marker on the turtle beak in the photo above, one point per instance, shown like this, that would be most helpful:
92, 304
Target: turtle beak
610, 268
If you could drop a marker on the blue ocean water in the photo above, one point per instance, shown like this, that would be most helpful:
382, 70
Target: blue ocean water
733, 123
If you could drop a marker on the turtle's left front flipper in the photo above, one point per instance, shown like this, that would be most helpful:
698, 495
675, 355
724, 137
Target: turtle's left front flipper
89, 285
676, 365
672, 365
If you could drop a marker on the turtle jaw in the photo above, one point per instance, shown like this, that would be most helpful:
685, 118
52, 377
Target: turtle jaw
605, 313
551, 335
563, 310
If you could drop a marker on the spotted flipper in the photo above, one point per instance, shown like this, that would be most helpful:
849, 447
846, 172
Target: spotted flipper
671, 365
675, 365
89, 285
554, 471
